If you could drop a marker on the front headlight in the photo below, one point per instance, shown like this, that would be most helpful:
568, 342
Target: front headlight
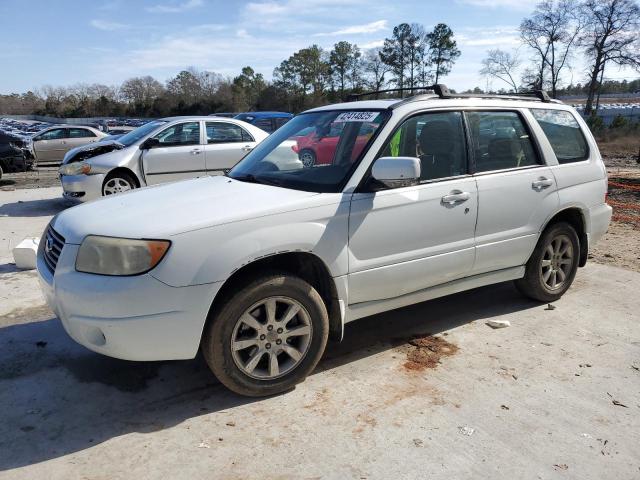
119, 256
76, 168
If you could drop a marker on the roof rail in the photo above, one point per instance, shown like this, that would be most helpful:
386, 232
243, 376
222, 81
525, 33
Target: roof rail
440, 89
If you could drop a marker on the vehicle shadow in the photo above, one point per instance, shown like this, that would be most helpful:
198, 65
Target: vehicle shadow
58, 398
34, 208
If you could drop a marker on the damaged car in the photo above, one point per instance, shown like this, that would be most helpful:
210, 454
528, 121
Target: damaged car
14, 154
160, 151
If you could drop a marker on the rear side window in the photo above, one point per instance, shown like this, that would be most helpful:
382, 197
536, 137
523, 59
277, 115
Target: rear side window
80, 133
500, 141
437, 139
264, 124
55, 134
564, 134
222, 132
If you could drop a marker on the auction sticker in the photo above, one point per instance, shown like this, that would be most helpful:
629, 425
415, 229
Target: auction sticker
356, 117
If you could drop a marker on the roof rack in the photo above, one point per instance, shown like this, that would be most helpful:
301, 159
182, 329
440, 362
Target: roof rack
442, 91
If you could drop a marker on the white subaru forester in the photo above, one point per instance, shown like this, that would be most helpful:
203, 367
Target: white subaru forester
406, 200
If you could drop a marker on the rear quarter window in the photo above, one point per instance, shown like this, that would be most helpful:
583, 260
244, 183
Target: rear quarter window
564, 134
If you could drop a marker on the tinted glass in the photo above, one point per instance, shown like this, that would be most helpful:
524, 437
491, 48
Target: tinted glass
180, 134
303, 156
264, 124
221, 132
80, 133
53, 134
280, 121
500, 141
437, 139
564, 134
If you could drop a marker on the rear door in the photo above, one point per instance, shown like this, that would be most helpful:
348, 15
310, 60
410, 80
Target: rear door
79, 136
226, 144
51, 145
517, 192
178, 155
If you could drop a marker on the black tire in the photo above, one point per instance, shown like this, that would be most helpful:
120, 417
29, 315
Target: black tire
221, 330
1, 172
126, 177
533, 284
307, 157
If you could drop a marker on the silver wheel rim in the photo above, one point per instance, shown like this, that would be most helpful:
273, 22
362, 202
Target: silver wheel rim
116, 185
271, 338
307, 159
557, 262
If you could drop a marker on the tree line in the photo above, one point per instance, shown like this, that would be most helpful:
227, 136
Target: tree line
606, 32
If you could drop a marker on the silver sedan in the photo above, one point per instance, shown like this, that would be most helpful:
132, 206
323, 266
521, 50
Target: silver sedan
163, 150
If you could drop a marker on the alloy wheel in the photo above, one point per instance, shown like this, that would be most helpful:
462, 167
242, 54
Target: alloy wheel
271, 338
116, 185
557, 262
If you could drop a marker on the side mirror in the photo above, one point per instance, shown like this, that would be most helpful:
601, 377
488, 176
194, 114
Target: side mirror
395, 172
149, 143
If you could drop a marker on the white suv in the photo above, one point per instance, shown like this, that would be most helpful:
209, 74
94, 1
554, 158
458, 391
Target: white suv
407, 200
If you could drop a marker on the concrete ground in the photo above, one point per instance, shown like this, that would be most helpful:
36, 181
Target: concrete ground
556, 395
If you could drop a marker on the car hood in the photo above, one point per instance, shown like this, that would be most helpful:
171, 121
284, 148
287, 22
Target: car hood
162, 211
91, 150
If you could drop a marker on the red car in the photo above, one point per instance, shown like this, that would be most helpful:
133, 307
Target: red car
313, 149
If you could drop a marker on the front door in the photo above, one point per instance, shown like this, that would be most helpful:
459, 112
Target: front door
407, 239
51, 145
227, 144
517, 191
178, 155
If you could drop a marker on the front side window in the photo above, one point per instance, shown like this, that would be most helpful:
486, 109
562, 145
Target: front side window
139, 133
80, 133
437, 139
564, 134
222, 132
55, 134
500, 141
180, 134
313, 152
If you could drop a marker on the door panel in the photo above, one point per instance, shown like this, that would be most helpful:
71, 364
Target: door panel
408, 239
226, 144
512, 212
51, 145
178, 155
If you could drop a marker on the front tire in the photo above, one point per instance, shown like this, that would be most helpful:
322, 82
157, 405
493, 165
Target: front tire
268, 336
307, 157
118, 182
552, 267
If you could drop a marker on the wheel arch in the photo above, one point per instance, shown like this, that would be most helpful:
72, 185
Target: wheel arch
305, 265
575, 217
117, 170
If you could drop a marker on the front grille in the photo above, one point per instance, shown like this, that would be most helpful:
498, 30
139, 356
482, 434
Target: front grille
53, 244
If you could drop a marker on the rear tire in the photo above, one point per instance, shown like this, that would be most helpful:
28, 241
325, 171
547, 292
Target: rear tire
268, 336
552, 267
307, 157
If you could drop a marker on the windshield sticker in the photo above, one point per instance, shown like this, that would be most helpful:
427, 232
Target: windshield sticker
357, 117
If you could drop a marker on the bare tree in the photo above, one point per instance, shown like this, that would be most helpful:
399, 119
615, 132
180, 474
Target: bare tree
611, 32
375, 70
551, 32
501, 65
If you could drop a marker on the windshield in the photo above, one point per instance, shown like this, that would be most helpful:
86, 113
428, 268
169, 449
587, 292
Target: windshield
134, 135
313, 152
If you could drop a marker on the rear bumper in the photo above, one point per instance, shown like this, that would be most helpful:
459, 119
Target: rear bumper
82, 188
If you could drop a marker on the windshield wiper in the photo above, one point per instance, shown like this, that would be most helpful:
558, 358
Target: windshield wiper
251, 178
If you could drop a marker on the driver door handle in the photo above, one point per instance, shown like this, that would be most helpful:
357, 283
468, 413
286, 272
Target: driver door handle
196, 151
247, 148
541, 183
456, 196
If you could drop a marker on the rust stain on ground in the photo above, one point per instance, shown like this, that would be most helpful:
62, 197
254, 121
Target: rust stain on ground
427, 351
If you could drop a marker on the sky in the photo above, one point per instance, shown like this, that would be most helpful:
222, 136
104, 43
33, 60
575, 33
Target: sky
66, 42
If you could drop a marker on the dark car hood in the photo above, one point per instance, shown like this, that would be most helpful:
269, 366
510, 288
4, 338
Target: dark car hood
91, 150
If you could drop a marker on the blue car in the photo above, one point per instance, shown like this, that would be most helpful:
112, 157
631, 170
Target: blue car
267, 121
